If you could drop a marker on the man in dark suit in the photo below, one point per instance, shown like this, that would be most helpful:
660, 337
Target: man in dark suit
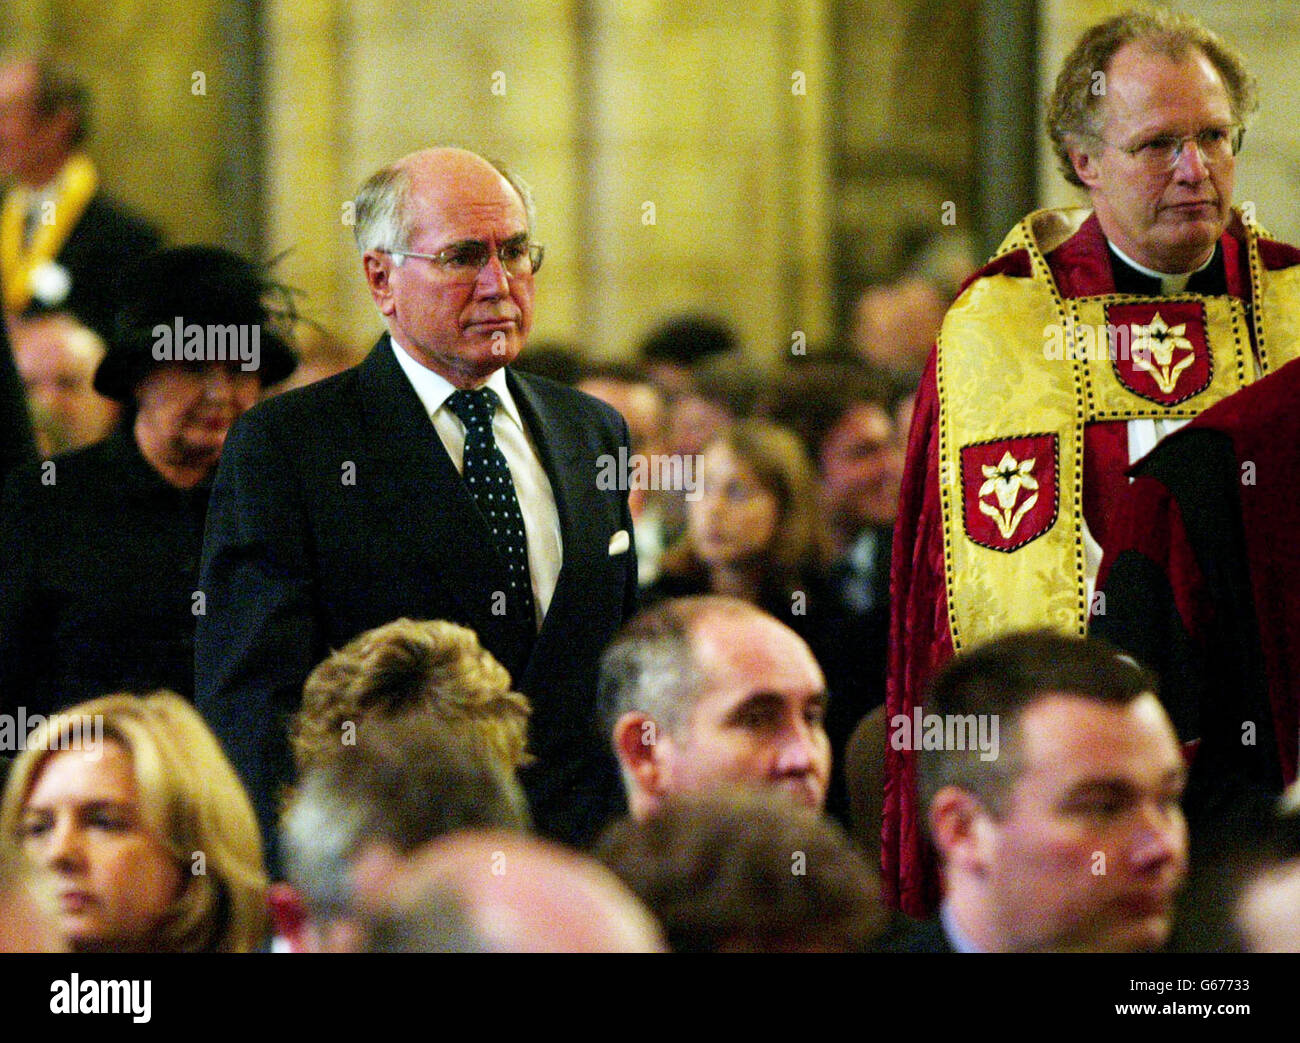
63, 242
342, 506
1051, 779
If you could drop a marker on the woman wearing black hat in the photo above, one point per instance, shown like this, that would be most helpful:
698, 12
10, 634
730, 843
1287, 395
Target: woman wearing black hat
99, 548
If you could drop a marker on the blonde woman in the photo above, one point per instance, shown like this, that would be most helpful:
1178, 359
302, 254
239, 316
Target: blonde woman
132, 809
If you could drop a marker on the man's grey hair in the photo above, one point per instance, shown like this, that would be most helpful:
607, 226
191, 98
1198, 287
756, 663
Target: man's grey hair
406, 781
383, 211
651, 666
1073, 104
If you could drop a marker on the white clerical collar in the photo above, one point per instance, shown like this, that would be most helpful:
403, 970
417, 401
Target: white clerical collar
434, 389
1170, 282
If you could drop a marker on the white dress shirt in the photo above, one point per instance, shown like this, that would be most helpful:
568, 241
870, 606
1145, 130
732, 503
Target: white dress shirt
532, 486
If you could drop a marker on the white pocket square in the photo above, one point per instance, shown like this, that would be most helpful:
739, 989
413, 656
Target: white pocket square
619, 542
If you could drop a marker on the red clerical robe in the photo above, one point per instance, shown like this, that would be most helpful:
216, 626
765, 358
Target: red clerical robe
1202, 583
1031, 446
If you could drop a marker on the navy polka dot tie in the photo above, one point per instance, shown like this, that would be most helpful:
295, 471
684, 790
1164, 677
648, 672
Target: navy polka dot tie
488, 476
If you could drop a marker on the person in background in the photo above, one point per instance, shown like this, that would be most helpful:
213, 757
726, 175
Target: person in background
1053, 798
401, 782
101, 545
57, 358
64, 243
493, 891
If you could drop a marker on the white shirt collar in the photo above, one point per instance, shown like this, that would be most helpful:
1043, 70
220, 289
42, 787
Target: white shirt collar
434, 389
1170, 282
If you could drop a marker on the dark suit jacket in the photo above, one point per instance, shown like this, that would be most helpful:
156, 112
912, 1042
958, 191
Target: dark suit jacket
16, 443
103, 244
917, 936
100, 559
300, 557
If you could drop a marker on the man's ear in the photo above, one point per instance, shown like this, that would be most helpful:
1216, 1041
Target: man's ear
1083, 157
378, 268
959, 826
637, 738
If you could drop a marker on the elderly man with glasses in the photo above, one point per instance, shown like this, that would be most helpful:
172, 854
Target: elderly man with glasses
1090, 336
433, 482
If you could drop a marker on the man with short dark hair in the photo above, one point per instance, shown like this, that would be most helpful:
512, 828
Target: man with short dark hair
63, 243
1050, 778
432, 482
707, 691
1087, 339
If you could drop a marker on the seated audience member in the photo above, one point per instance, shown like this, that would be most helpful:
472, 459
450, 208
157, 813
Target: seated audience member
679, 345
57, 358
642, 404
27, 908
101, 546
132, 809
404, 667
895, 325
407, 779
1051, 779
753, 527
501, 892
705, 690
740, 871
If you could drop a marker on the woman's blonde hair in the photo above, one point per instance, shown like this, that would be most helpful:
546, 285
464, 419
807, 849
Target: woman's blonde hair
432, 667
190, 798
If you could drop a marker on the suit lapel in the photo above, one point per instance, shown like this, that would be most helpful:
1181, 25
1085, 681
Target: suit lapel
418, 489
561, 443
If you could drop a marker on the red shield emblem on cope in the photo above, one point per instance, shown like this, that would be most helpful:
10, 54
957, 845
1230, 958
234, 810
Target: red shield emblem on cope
1168, 358
1009, 490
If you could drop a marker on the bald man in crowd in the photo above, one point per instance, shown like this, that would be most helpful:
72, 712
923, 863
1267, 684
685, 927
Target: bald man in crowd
708, 691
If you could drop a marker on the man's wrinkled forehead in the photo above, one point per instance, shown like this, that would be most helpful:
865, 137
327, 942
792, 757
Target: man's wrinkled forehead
742, 653
458, 211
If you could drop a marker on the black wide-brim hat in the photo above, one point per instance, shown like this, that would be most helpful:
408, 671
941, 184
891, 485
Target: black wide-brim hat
187, 286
